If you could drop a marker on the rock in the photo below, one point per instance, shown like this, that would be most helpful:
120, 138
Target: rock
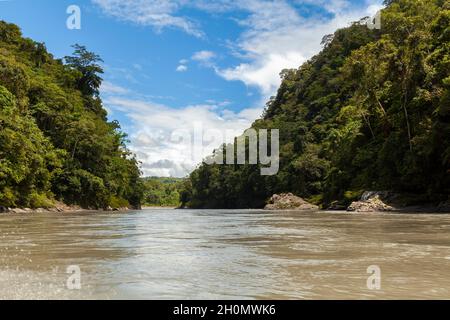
371, 201
4, 209
120, 209
19, 211
59, 207
62, 207
288, 201
444, 206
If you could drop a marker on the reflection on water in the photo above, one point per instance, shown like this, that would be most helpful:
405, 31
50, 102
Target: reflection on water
224, 254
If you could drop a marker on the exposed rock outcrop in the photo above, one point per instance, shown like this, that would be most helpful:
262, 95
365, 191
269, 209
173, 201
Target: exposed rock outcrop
444, 206
59, 207
21, 210
371, 201
288, 201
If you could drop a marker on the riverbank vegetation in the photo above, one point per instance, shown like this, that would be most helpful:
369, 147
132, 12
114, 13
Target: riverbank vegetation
162, 192
371, 111
55, 140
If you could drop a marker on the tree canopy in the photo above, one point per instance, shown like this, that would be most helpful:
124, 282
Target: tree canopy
162, 192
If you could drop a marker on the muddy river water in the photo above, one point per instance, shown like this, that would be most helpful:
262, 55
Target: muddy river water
224, 254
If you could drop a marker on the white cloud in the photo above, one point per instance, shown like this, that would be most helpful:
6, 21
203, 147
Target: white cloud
109, 88
158, 14
275, 35
182, 68
163, 137
373, 9
263, 73
203, 56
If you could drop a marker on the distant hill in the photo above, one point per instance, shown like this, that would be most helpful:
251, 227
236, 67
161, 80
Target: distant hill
162, 192
166, 180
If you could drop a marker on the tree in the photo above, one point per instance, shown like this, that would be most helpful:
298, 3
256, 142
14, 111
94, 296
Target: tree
28, 161
86, 63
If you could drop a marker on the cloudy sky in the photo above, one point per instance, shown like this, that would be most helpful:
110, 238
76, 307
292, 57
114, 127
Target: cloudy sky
177, 69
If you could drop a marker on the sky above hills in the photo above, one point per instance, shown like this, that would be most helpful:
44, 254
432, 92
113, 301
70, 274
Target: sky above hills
177, 68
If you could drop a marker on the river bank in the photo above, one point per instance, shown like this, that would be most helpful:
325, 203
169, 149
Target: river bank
386, 201
59, 207
369, 202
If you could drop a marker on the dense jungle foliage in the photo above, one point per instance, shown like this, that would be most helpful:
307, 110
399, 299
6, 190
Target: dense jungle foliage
162, 192
369, 112
55, 140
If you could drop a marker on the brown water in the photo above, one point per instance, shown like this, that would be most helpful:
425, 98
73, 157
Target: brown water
223, 254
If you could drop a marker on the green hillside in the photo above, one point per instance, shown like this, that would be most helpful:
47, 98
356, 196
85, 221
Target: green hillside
162, 192
55, 140
369, 112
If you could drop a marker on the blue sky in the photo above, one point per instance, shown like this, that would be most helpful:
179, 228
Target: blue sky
175, 65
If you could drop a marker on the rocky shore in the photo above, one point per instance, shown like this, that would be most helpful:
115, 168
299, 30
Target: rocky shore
58, 208
385, 201
369, 202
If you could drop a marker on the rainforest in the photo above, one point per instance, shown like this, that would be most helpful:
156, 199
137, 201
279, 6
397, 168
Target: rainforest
56, 143
371, 111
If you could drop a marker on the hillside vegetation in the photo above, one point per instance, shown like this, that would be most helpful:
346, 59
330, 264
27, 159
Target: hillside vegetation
55, 140
162, 192
369, 112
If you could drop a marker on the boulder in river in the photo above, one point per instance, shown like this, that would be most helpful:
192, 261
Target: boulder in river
371, 201
288, 201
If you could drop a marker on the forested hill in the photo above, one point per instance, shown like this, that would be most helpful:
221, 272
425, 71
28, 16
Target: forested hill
162, 192
55, 140
369, 112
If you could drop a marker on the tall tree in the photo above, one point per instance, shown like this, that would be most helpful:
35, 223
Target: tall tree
87, 63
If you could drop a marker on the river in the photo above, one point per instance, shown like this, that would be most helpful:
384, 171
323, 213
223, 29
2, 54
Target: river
225, 254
